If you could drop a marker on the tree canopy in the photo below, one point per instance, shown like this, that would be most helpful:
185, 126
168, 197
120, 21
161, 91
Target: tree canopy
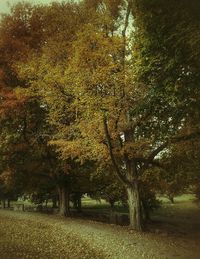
96, 87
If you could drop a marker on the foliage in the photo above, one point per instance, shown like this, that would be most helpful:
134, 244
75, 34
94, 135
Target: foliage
96, 87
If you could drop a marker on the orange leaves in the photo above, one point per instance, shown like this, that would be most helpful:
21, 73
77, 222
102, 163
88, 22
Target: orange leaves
9, 102
6, 178
136, 149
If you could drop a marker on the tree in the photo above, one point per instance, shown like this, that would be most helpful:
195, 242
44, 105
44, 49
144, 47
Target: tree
17, 39
175, 179
106, 71
106, 186
113, 102
112, 91
167, 50
166, 59
24, 32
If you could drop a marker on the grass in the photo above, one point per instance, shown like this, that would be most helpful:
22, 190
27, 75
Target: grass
178, 199
102, 206
90, 203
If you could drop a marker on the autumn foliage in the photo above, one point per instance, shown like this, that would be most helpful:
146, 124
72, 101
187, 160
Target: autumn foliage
100, 90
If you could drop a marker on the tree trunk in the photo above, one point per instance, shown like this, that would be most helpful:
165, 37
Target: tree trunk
4, 204
8, 203
146, 211
79, 203
54, 202
112, 212
171, 198
46, 203
63, 201
130, 180
134, 200
134, 207
112, 203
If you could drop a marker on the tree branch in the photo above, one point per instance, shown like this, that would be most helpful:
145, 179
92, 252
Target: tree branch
121, 177
174, 140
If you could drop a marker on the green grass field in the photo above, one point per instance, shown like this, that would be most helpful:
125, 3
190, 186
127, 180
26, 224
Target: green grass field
101, 204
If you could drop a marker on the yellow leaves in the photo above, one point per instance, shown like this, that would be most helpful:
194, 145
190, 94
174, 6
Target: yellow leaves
135, 149
80, 78
10, 103
21, 93
93, 50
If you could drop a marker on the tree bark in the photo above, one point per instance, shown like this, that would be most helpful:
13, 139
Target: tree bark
134, 207
63, 201
134, 200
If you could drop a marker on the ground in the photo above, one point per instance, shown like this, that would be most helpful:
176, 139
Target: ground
174, 233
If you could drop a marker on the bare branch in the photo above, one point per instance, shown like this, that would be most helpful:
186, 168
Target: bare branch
157, 151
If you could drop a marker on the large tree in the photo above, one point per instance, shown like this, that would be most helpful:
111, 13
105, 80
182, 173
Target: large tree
118, 85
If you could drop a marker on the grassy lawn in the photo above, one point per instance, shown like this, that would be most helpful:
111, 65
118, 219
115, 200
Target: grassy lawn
102, 205
178, 199
89, 203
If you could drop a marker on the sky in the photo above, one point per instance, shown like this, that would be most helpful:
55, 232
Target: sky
4, 8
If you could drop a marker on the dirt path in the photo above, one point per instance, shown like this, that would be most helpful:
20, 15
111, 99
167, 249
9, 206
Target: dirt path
31, 235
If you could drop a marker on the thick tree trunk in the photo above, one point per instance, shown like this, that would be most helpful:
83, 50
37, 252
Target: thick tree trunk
4, 204
134, 200
130, 180
8, 203
63, 201
134, 207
